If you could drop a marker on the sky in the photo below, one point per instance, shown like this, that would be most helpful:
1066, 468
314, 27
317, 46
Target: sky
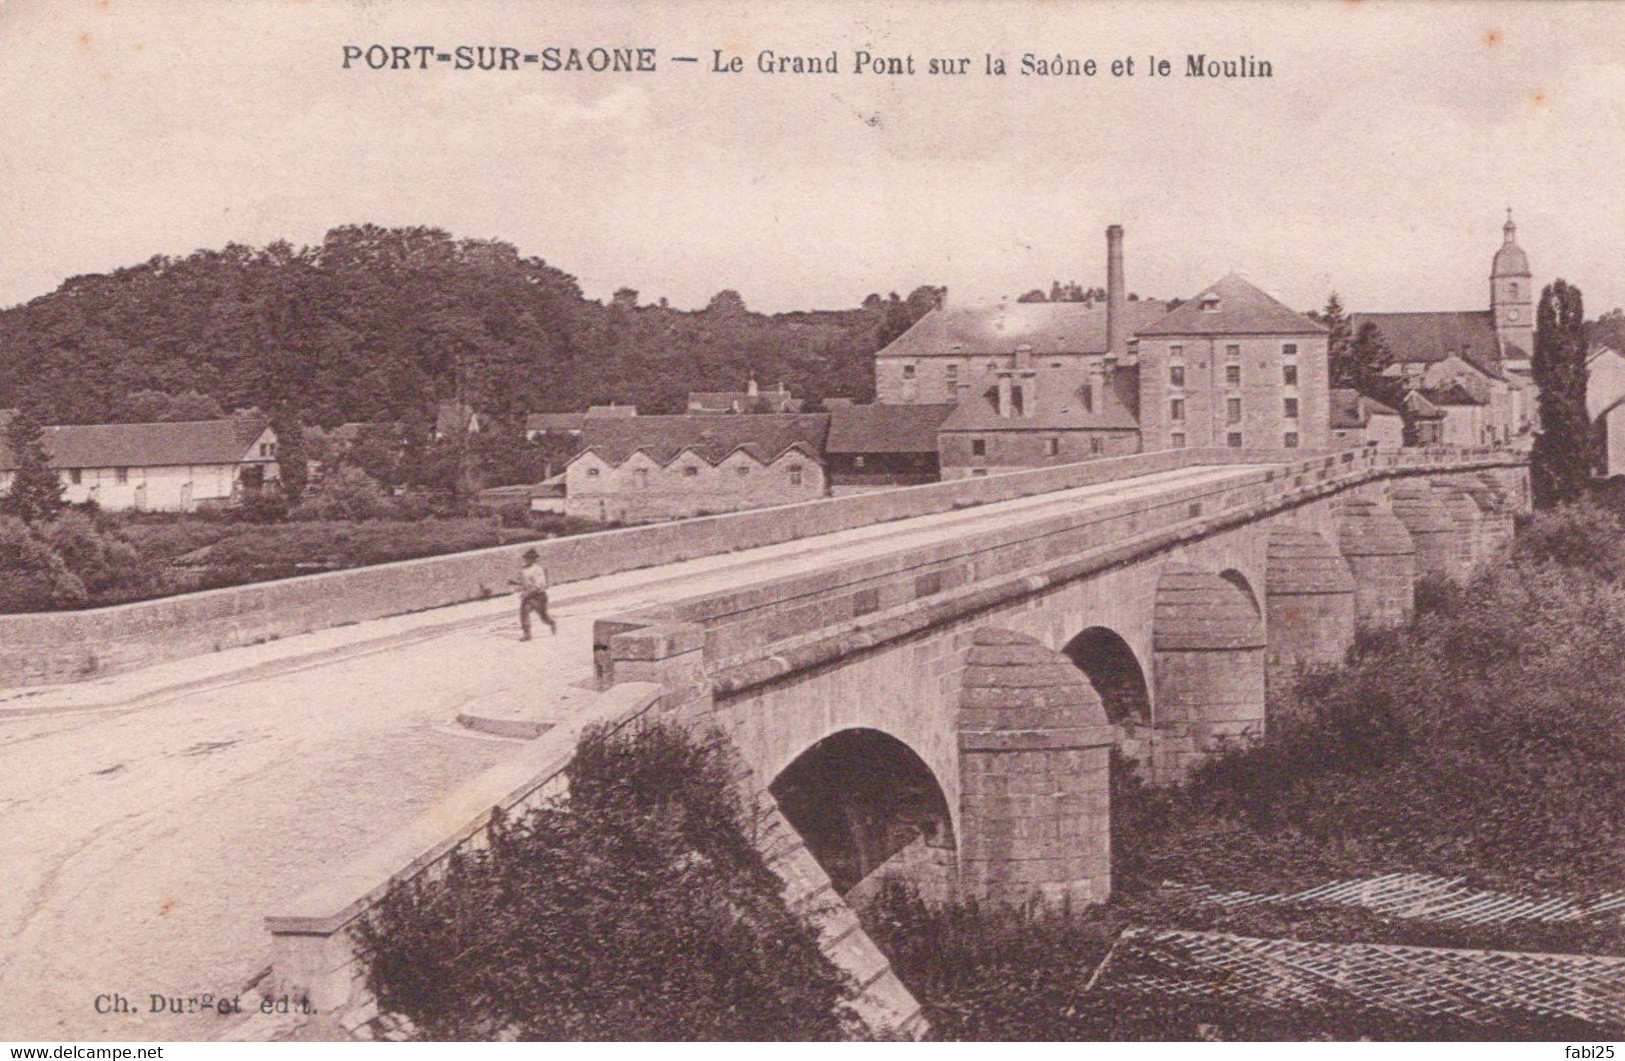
1378, 161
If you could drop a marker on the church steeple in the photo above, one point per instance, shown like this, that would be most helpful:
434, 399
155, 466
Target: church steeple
1511, 295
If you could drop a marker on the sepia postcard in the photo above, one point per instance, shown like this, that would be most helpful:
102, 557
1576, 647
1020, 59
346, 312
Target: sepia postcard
641, 521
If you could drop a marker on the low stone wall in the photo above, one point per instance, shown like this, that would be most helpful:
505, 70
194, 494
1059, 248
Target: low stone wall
48, 647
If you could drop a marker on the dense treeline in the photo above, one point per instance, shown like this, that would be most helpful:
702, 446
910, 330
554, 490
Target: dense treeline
378, 324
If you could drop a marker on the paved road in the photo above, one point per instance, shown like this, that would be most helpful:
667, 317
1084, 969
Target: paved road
148, 821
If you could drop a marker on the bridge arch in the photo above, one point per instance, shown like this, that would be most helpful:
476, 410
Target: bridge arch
1114, 671
1382, 558
1208, 661
861, 799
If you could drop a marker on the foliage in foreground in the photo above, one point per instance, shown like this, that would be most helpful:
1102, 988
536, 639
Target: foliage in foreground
636, 908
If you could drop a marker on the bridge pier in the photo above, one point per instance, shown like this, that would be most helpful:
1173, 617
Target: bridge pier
1035, 783
1432, 527
1382, 558
1208, 659
1309, 609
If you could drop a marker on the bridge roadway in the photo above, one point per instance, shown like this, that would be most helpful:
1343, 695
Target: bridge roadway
148, 820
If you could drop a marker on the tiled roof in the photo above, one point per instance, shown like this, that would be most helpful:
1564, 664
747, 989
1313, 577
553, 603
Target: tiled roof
1060, 405
1238, 308
1451, 394
886, 428
1350, 408
1421, 408
712, 437
1431, 337
554, 421
148, 445
1046, 327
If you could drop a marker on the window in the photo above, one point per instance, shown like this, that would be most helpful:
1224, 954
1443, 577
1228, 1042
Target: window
1233, 350
978, 447
795, 475
1052, 447
640, 476
76, 476
1232, 375
592, 473
1176, 375
859, 461
121, 475
1233, 440
689, 471
908, 371
1176, 349
1087, 393
1232, 411
1289, 375
978, 472
1095, 445
953, 373
1289, 349
1291, 440
1289, 408
744, 469
1178, 439
1210, 303
1054, 364
265, 449
1176, 409
1513, 290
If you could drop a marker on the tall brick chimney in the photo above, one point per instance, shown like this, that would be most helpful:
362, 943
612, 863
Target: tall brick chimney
1116, 339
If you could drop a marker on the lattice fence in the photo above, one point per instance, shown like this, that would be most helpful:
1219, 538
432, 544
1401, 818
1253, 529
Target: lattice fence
1424, 897
1484, 987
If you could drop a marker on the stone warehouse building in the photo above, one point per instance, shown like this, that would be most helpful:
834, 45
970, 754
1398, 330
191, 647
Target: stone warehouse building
639, 469
1055, 383
166, 467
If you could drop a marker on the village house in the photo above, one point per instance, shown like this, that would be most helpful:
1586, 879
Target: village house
162, 467
872, 447
455, 419
1358, 421
647, 468
1605, 402
750, 400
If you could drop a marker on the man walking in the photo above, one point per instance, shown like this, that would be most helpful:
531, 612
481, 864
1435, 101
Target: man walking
533, 594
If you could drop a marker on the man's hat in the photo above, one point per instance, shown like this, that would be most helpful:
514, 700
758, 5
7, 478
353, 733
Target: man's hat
532, 554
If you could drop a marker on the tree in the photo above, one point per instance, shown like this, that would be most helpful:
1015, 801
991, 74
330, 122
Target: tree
1337, 341
193, 406
1560, 465
1364, 362
36, 489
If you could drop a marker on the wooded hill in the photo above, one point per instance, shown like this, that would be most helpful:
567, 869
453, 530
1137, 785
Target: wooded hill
379, 324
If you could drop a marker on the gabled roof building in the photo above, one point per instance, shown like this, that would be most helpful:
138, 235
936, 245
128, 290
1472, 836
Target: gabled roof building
158, 467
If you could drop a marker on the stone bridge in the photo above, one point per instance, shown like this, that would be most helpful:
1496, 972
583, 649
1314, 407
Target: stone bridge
945, 708
949, 711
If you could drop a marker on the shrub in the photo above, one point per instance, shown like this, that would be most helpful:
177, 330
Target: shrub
109, 566
348, 493
33, 577
635, 908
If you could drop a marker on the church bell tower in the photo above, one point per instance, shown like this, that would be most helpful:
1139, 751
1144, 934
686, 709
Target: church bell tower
1511, 301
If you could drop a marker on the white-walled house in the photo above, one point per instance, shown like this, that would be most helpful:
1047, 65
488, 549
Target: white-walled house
164, 467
